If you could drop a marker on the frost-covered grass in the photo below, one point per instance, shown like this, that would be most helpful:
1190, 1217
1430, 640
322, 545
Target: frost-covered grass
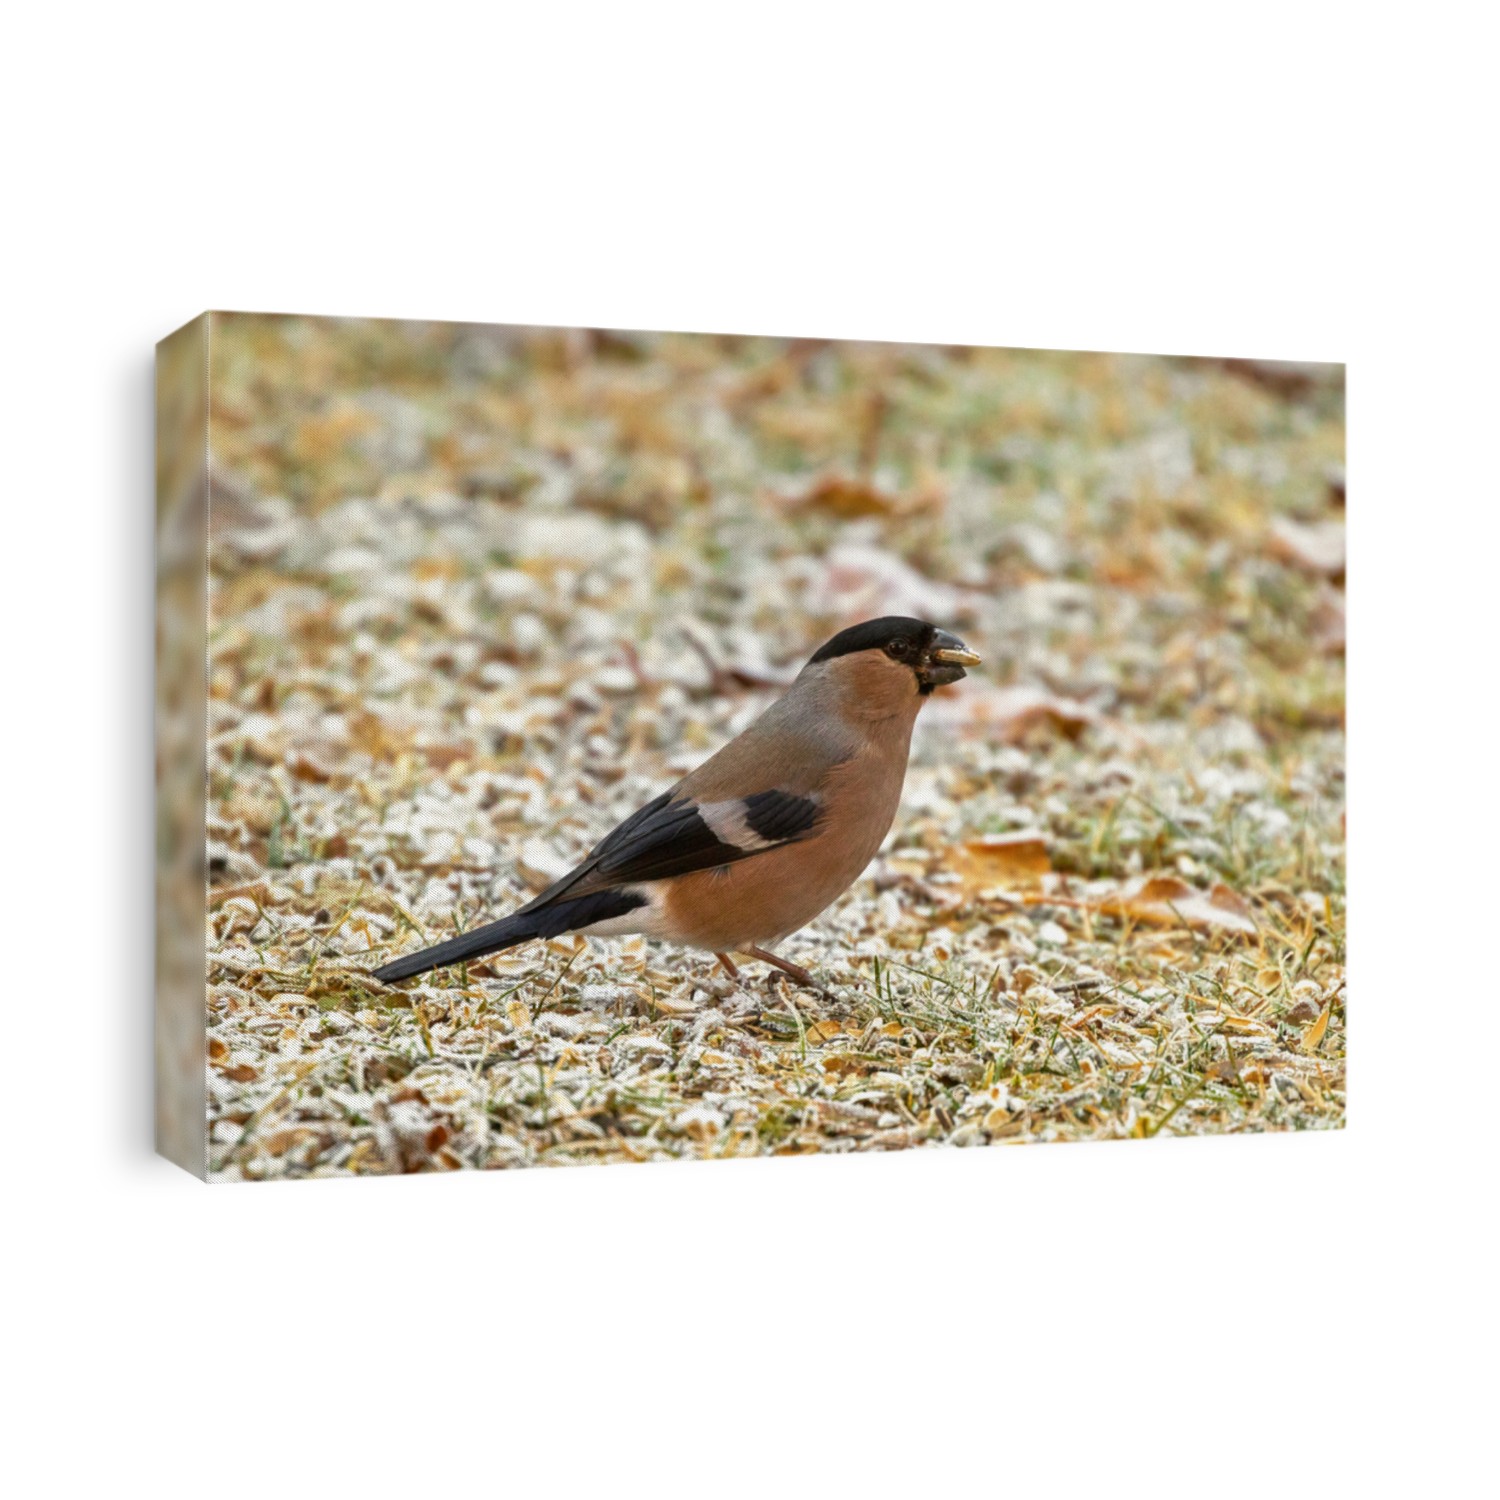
476, 595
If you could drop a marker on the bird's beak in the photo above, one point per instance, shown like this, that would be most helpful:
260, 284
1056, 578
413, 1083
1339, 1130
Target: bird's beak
947, 657
949, 648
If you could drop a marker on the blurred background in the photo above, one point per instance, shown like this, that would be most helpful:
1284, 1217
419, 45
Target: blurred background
476, 592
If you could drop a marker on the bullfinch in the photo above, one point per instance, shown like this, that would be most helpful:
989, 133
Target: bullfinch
766, 833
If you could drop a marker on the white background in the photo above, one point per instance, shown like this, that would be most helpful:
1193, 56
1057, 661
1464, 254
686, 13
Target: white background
1256, 1316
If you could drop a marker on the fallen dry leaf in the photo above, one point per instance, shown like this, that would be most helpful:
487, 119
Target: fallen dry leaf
1166, 901
282, 1141
1003, 859
847, 499
306, 766
1328, 623
1287, 378
1315, 1032
859, 580
839, 1063
1010, 714
1241, 1025
257, 891
1318, 548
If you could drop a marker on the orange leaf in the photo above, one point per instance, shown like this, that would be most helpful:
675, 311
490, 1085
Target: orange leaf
848, 499
256, 891
1315, 1031
1002, 859
1166, 901
839, 1063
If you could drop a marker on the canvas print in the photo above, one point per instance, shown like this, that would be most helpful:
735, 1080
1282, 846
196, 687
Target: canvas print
583, 746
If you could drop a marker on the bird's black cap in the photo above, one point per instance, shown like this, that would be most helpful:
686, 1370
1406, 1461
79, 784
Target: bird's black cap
877, 635
935, 657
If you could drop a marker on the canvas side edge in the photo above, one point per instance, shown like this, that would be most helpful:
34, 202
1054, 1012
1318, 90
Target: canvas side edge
182, 387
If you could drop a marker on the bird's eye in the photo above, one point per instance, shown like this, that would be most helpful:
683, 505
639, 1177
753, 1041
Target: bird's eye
899, 649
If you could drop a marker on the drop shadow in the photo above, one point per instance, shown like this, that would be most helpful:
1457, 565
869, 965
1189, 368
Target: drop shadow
130, 654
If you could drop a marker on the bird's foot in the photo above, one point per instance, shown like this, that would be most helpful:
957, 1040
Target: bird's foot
795, 972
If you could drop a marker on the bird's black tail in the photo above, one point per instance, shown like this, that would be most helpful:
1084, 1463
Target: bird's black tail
491, 938
546, 921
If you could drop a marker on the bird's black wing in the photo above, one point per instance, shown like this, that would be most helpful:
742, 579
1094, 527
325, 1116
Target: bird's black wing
674, 835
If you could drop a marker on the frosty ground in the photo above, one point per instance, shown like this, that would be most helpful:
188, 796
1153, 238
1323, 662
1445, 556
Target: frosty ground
476, 594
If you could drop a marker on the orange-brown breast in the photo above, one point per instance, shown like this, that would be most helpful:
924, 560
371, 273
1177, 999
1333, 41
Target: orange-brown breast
762, 899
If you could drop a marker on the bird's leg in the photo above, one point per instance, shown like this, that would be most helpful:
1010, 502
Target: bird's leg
727, 964
794, 971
